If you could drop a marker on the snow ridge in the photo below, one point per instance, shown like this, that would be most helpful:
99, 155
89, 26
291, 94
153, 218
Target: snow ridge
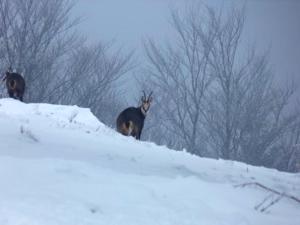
61, 165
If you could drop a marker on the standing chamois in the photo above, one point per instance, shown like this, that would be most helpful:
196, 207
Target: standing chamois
130, 122
15, 84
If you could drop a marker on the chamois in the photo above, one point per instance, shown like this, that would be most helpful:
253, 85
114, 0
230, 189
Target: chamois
130, 122
15, 84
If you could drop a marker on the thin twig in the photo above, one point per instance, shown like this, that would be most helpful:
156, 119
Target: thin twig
263, 202
269, 189
273, 202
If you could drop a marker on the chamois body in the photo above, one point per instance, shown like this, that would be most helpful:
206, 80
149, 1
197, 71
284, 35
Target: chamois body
130, 122
15, 85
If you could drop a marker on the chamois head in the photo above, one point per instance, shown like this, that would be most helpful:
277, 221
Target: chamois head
7, 73
146, 102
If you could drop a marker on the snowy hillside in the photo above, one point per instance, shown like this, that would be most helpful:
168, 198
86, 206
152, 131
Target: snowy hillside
59, 165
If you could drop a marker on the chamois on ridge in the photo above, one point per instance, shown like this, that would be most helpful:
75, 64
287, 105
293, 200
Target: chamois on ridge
130, 122
15, 84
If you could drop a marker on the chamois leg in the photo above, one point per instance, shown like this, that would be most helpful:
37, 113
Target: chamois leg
138, 136
20, 95
11, 94
132, 134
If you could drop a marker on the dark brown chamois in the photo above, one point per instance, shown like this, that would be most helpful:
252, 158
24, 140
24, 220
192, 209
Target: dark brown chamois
15, 84
130, 122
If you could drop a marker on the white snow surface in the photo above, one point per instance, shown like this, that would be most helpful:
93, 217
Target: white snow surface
59, 165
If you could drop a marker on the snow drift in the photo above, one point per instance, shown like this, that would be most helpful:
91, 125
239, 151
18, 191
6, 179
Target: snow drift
60, 165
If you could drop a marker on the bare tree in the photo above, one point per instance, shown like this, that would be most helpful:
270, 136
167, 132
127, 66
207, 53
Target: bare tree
246, 114
38, 40
93, 78
35, 37
181, 76
216, 98
286, 152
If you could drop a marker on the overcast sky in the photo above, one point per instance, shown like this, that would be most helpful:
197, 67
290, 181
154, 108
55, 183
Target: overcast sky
270, 23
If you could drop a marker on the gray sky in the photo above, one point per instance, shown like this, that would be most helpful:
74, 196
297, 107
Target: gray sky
270, 23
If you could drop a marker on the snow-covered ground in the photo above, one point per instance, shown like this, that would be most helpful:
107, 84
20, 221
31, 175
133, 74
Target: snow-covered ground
60, 165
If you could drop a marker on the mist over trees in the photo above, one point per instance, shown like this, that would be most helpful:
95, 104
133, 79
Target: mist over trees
35, 38
212, 96
94, 74
39, 40
213, 99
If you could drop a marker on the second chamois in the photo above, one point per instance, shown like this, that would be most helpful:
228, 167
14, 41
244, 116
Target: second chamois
15, 84
130, 122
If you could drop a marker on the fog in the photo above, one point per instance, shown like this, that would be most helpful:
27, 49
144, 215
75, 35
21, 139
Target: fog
271, 24
218, 74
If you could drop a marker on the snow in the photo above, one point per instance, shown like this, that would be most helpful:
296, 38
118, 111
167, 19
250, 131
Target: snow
61, 165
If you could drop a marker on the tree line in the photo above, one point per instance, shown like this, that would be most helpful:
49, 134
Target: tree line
213, 96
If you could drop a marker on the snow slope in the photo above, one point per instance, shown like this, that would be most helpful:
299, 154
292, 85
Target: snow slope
60, 165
